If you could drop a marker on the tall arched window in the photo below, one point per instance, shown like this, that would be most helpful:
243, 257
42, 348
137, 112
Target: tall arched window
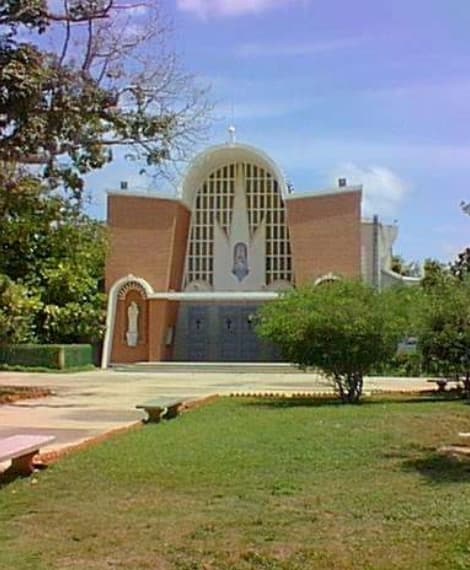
214, 203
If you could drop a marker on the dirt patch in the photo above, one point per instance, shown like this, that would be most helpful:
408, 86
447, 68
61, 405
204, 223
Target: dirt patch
10, 394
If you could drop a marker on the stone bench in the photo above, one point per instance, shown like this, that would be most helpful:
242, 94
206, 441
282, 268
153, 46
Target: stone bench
161, 408
21, 449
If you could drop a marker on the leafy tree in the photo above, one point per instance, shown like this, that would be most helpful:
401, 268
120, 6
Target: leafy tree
444, 335
29, 215
461, 266
406, 268
52, 254
109, 82
343, 328
443, 318
72, 283
435, 273
18, 310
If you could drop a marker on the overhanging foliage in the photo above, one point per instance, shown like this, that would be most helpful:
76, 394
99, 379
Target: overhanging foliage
110, 81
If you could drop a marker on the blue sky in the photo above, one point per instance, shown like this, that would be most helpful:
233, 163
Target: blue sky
376, 91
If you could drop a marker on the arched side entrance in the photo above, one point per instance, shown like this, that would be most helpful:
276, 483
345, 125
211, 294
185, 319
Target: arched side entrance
126, 334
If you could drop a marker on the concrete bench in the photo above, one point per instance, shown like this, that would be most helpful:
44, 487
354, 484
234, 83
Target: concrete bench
21, 449
441, 383
161, 408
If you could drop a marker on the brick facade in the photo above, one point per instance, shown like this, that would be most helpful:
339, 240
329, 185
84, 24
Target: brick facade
325, 235
148, 238
162, 319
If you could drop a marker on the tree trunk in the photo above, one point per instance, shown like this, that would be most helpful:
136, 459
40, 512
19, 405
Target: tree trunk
466, 384
355, 382
350, 387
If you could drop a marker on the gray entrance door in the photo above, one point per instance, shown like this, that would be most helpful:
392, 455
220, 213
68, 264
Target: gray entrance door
237, 338
198, 332
220, 333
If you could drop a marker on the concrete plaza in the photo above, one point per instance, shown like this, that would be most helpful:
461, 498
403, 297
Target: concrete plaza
88, 404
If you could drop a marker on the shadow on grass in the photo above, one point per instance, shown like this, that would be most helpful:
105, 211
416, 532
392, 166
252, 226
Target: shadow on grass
280, 402
277, 402
8, 477
440, 468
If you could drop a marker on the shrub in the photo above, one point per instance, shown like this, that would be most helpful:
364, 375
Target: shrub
54, 356
344, 328
444, 338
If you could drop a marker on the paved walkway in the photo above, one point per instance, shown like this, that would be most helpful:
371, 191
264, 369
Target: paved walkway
88, 404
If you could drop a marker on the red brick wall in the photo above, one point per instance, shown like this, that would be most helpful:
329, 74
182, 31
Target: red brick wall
156, 316
325, 234
180, 241
162, 316
148, 238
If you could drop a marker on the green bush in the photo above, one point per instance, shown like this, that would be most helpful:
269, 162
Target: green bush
344, 328
54, 356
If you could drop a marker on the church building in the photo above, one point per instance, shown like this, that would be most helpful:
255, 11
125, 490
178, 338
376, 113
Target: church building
186, 274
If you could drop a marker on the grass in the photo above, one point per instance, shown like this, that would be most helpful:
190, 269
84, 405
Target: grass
254, 484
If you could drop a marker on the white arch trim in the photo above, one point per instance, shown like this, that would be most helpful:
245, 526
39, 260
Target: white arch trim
220, 155
111, 312
327, 277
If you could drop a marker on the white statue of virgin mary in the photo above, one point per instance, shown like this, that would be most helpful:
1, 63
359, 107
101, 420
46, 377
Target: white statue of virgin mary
132, 334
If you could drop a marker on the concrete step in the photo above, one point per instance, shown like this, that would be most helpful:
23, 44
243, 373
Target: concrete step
207, 367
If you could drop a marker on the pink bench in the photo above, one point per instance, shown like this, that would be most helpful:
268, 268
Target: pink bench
21, 449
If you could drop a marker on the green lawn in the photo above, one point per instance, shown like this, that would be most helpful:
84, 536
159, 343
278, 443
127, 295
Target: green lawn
254, 484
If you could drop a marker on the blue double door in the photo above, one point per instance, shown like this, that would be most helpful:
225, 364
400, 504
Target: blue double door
220, 333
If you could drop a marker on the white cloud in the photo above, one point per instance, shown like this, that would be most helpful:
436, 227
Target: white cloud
252, 110
384, 190
296, 49
207, 8
139, 9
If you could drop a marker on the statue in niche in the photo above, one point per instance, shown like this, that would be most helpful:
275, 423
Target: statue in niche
132, 334
240, 261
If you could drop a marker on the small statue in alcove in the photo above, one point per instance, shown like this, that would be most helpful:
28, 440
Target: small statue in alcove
132, 334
